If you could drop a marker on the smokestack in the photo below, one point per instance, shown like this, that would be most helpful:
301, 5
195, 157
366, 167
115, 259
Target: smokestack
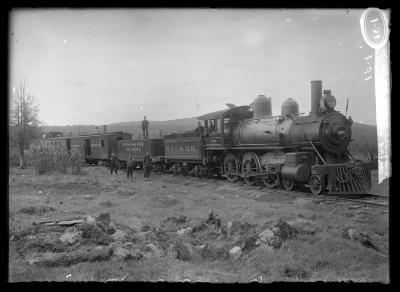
316, 95
105, 129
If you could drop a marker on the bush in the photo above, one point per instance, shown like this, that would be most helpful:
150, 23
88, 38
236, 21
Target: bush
46, 158
13, 156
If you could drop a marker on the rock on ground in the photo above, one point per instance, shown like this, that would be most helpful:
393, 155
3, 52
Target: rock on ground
235, 252
94, 234
152, 250
359, 236
70, 236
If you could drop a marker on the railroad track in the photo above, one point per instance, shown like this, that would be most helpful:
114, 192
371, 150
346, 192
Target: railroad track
368, 199
378, 200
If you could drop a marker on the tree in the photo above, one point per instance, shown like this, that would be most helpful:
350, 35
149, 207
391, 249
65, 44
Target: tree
24, 123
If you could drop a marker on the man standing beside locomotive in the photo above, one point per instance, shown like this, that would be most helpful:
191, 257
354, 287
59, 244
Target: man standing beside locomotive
114, 163
129, 167
199, 130
145, 128
147, 165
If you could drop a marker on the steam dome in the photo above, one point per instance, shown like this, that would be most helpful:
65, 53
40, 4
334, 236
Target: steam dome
261, 107
290, 107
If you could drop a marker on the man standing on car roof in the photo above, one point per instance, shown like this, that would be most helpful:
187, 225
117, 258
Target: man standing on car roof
147, 164
145, 128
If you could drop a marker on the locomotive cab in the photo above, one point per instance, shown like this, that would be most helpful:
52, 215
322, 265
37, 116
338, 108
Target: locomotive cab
221, 124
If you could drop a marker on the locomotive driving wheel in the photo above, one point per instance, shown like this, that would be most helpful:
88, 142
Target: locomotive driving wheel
250, 165
272, 180
317, 184
231, 164
288, 184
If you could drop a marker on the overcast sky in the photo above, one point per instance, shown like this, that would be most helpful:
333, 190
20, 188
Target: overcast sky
99, 66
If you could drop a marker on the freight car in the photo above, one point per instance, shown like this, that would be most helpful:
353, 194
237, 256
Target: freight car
98, 147
288, 149
95, 148
138, 149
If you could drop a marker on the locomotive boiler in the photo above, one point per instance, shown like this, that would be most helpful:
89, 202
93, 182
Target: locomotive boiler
324, 126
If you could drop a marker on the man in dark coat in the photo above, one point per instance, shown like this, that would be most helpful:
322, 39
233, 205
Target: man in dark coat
145, 128
130, 165
211, 129
199, 130
114, 163
147, 164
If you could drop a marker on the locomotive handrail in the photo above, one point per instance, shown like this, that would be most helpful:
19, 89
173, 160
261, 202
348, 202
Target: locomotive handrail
319, 155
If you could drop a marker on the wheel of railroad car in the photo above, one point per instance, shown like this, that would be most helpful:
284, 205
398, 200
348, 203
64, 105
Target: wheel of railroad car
272, 180
288, 184
317, 184
231, 164
250, 165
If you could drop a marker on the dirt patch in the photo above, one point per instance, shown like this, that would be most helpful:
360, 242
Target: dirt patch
126, 193
176, 220
106, 204
49, 259
297, 273
359, 236
36, 210
166, 202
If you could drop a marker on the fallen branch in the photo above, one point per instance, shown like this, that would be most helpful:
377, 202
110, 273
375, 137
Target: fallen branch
67, 222
221, 273
116, 279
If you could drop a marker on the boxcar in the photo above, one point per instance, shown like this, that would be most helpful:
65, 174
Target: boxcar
98, 147
56, 142
138, 149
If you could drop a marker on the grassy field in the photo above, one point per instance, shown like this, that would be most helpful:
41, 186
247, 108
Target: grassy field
318, 249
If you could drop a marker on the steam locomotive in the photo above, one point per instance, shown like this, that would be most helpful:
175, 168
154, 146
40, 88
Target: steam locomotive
248, 142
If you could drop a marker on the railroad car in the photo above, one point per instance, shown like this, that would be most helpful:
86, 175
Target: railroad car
98, 147
94, 148
138, 148
55, 142
289, 149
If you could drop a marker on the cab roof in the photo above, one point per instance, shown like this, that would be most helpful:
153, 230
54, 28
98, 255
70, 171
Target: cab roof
236, 112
